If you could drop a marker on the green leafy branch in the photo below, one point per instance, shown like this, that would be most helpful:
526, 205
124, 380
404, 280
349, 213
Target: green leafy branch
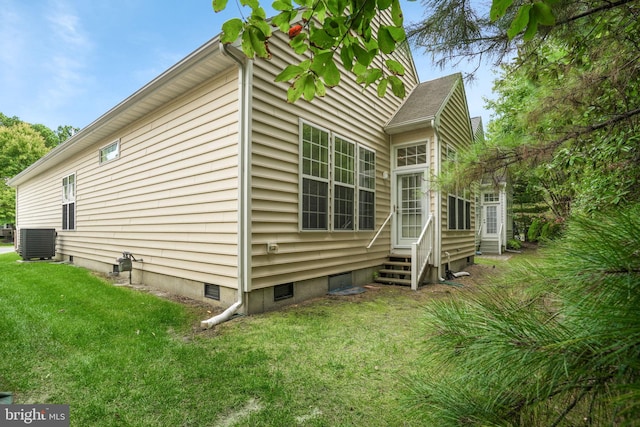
528, 18
325, 31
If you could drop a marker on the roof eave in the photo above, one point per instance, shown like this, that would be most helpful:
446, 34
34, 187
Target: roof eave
422, 122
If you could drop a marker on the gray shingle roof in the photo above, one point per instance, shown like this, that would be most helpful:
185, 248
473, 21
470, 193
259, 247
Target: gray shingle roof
424, 102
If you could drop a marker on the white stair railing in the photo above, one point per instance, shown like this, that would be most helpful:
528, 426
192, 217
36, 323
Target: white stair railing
500, 239
380, 230
421, 251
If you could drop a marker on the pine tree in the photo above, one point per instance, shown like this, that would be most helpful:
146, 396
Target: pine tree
557, 344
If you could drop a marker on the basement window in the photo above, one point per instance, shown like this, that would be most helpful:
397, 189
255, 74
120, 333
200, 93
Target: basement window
212, 291
281, 292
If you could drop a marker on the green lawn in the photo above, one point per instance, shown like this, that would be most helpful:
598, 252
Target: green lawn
121, 357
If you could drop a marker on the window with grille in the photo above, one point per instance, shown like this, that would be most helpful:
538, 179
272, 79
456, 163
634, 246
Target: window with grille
337, 182
69, 202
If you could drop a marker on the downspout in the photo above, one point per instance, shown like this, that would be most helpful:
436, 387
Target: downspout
244, 177
438, 224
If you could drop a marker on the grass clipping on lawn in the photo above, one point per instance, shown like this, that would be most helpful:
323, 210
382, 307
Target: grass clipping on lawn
122, 357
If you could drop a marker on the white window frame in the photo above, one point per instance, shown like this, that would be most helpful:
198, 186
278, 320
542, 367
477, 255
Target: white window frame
311, 177
338, 182
104, 153
331, 182
491, 197
69, 202
363, 186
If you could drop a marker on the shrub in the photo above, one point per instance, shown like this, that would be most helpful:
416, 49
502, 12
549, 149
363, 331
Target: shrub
558, 344
533, 234
514, 244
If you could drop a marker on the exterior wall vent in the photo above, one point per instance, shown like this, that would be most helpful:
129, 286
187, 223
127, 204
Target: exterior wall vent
281, 292
37, 243
212, 291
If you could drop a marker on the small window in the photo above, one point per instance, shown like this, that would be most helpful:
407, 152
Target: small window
412, 155
281, 292
110, 152
212, 291
491, 197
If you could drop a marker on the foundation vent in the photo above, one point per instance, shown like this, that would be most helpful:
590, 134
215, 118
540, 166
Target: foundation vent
281, 292
212, 291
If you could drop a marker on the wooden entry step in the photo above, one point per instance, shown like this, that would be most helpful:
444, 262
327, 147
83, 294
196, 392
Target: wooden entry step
395, 271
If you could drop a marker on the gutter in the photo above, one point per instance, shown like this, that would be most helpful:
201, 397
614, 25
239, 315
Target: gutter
244, 184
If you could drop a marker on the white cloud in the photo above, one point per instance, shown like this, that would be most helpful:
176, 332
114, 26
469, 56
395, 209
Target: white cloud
66, 27
69, 46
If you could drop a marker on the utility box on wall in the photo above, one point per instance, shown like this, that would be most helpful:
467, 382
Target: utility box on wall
37, 243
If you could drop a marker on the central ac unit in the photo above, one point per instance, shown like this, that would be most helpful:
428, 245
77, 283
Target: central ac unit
37, 243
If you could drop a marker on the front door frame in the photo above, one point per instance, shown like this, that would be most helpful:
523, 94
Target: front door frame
485, 217
397, 241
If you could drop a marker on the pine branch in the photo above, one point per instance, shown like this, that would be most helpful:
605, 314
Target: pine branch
606, 6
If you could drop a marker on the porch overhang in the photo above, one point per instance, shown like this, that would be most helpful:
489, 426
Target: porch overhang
421, 123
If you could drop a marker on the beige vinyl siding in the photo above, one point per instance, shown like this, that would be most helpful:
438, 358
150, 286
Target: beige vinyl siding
171, 198
346, 111
455, 130
40, 202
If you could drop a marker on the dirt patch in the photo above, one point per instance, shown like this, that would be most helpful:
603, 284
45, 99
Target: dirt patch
479, 275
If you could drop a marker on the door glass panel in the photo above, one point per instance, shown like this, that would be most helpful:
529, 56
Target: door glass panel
492, 220
410, 206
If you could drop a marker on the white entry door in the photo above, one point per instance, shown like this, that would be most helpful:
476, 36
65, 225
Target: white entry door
490, 228
411, 207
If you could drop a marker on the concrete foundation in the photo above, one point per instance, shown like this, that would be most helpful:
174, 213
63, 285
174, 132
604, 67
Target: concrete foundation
256, 301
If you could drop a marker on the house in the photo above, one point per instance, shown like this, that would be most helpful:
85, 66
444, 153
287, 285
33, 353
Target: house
494, 219
222, 191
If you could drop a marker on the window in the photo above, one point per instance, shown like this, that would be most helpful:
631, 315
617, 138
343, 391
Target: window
68, 202
491, 197
411, 156
459, 201
344, 184
110, 152
458, 213
452, 154
337, 182
315, 178
367, 191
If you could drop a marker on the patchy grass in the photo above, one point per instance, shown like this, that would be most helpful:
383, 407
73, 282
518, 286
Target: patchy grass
123, 357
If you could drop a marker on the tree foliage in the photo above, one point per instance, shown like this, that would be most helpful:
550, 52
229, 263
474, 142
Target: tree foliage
21, 144
568, 107
325, 33
561, 350
351, 31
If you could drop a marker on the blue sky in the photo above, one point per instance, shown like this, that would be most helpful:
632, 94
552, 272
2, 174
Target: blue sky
67, 62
